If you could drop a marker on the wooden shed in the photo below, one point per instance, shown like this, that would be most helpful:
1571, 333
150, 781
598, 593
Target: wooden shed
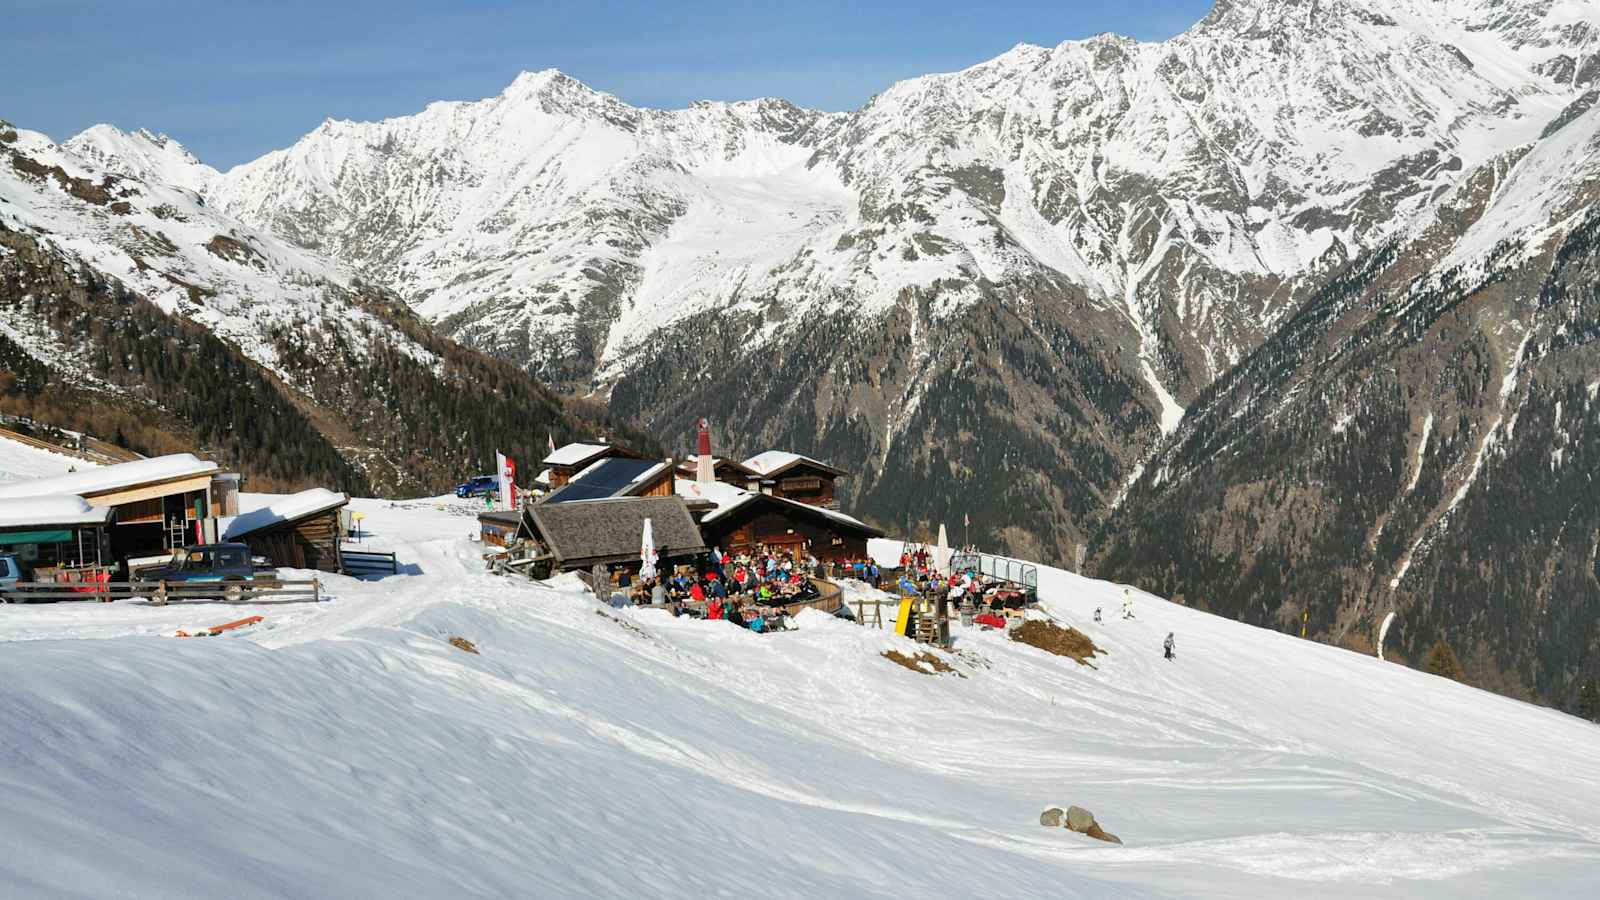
502, 527
301, 531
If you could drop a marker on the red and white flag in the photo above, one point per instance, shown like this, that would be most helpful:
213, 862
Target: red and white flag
552, 436
507, 471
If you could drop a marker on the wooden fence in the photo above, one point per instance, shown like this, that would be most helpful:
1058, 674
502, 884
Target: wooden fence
158, 593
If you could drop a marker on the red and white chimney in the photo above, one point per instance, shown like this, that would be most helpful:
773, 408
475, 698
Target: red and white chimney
705, 474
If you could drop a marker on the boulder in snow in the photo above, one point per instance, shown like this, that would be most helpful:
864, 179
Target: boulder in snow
1080, 819
1051, 818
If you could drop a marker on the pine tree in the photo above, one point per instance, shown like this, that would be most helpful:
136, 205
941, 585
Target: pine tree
1442, 661
1589, 700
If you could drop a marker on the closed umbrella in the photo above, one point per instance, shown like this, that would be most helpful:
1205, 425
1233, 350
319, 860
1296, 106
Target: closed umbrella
647, 553
941, 554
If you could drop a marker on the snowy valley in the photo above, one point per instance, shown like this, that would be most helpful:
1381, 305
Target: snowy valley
346, 748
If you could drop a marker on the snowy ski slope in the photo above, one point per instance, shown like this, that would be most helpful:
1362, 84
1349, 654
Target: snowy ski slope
347, 750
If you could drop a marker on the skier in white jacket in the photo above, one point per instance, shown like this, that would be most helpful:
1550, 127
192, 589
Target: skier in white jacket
1127, 603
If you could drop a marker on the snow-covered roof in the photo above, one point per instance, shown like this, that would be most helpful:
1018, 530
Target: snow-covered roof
284, 509
728, 498
572, 454
54, 509
774, 461
114, 478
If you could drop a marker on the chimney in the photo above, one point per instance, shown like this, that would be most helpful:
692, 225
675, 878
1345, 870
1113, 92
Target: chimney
704, 474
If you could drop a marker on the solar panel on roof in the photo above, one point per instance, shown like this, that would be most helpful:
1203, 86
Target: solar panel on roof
604, 479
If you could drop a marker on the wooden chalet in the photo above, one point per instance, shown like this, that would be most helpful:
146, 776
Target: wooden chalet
302, 530
607, 532
738, 520
157, 504
571, 459
63, 530
616, 476
795, 477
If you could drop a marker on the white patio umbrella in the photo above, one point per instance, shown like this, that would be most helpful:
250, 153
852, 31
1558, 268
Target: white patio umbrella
647, 552
941, 553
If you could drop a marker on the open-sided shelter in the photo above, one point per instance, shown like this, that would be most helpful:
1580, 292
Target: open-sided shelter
57, 530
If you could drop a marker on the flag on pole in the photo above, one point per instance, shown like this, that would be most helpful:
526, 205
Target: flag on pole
506, 469
966, 521
552, 436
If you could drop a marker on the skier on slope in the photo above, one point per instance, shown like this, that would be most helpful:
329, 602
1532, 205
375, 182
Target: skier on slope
1097, 615
1168, 645
1127, 603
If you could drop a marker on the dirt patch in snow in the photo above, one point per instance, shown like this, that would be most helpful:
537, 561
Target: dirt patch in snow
922, 663
461, 643
1052, 638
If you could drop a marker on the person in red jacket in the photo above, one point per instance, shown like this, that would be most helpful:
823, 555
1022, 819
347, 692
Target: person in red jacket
697, 593
714, 611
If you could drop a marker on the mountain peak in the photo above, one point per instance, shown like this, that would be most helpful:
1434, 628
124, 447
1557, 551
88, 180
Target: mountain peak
145, 155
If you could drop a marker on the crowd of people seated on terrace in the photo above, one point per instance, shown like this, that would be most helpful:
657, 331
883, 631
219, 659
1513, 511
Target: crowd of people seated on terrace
750, 589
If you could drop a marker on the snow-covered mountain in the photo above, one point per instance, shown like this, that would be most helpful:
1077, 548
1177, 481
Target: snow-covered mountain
130, 306
1138, 215
1421, 439
347, 749
1184, 183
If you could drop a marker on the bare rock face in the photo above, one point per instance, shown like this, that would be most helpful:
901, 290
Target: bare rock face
1051, 818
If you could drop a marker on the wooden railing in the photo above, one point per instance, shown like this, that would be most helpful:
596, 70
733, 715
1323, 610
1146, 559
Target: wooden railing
95, 450
159, 593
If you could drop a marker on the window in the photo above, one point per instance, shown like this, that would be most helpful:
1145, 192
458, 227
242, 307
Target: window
231, 557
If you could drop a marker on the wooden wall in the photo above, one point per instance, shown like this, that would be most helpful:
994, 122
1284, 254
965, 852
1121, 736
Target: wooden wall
789, 533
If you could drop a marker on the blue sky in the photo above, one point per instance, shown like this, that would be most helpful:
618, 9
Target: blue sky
232, 80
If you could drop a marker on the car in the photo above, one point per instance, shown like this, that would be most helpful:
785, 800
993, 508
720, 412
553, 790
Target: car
480, 486
12, 570
228, 564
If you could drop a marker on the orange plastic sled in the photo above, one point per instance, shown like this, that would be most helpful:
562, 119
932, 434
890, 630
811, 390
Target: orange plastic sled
218, 629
